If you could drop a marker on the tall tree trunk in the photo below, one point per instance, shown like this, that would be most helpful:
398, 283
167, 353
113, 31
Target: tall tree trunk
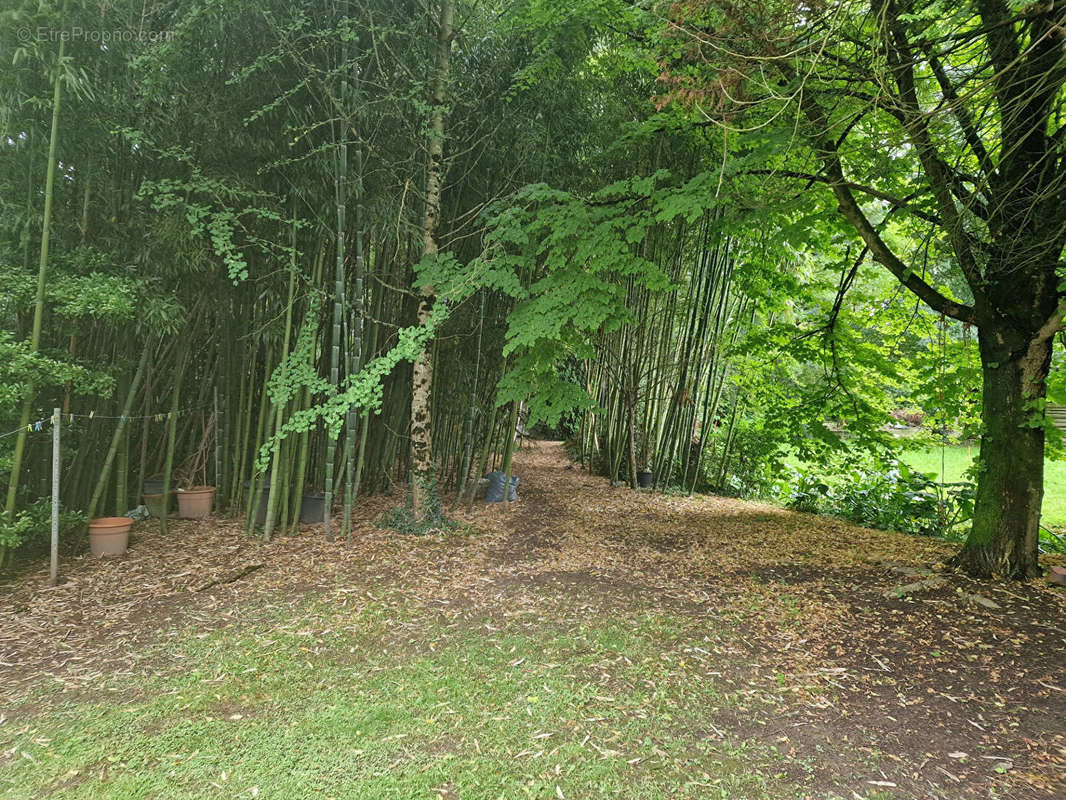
1010, 485
340, 202
422, 374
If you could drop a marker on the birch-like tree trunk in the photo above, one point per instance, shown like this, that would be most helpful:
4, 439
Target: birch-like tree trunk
422, 374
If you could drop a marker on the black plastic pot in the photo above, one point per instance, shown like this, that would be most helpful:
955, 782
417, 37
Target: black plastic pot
645, 480
157, 504
312, 508
264, 496
154, 486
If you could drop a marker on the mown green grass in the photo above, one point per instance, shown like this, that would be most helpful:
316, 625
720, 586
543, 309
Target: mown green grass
958, 458
335, 705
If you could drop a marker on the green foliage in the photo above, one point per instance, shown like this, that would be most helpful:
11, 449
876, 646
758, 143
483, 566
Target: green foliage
362, 392
20, 367
402, 519
33, 524
109, 298
297, 371
751, 464
214, 211
82, 285
888, 496
566, 260
806, 491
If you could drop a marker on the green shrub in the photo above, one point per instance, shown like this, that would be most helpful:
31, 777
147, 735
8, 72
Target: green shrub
806, 492
890, 496
402, 519
33, 525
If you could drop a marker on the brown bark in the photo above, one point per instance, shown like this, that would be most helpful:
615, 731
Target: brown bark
1010, 486
1016, 303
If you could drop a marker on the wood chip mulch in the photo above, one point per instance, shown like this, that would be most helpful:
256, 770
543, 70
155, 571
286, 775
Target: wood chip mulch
835, 643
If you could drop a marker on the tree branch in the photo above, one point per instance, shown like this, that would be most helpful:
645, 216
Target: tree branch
962, 115
902, 203
851, 211
916, 126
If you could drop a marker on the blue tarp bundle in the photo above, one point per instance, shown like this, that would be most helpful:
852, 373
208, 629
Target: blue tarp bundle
494, 493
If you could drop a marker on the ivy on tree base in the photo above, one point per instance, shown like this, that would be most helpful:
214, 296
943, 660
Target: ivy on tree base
403, 520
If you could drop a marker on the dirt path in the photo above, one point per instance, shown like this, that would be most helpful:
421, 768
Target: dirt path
952, 690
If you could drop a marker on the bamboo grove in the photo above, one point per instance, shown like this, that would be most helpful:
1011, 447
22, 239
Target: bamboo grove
212, 275
327, 248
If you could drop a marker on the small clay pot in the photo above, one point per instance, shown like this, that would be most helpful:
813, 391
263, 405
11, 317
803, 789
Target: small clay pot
196, 502
109, 536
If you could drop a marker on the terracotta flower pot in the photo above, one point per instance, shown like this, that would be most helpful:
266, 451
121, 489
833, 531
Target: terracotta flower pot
196, 502
109, 536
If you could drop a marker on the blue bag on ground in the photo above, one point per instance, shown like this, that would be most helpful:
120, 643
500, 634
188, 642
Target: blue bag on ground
494, 493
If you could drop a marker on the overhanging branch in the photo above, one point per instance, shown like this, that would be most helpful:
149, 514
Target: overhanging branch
851, 211
902, 203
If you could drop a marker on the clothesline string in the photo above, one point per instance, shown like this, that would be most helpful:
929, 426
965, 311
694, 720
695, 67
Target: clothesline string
159, 416
38, 425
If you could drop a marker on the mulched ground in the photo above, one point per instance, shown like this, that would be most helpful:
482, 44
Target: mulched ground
950, 689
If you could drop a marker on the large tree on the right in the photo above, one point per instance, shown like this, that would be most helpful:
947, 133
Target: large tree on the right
945, 119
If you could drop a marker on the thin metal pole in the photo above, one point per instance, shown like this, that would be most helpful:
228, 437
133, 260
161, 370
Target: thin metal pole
218, 449
53, 574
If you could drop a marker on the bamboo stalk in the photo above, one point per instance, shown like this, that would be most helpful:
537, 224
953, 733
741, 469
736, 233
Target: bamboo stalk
468, 424
120, 426
172, 427
38, 306
483, 459
279, 468
355, 469
255, 485
340, 199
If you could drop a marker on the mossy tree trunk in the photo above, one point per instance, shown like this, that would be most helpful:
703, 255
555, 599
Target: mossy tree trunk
1010, 485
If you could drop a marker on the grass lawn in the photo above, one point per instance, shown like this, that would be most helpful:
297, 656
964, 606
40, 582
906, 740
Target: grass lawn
957, 459
478, 713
